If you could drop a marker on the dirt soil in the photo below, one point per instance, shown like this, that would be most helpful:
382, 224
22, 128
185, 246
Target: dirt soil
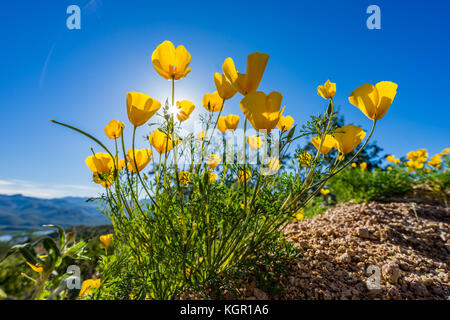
407, 242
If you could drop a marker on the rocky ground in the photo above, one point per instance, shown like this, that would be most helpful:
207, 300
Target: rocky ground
408, 242
405, 243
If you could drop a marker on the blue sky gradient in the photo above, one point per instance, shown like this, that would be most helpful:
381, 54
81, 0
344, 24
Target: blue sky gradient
82, 76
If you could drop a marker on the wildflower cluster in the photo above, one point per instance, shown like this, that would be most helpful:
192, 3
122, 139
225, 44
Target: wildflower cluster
185, 211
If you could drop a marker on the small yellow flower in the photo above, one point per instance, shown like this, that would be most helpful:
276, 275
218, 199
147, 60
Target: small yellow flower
285, 123
212, 177
201, 135
328, 90
445, 151
185, 109
141, 107
184, 177
162, 142
212, 102
241, 177
188, 272
213, 161
324, 191
298, 215
224, 87
171, 63
36, 268
229, 122
435, 161
354, 165
104, 179
247, 82
389, 168
374, 100
113, 129
305, 159
106, 239
363, 166
390, 158
88, 285
348, 137
396, 161
341, 157
328, 143
255, 142
143, 157
273, 166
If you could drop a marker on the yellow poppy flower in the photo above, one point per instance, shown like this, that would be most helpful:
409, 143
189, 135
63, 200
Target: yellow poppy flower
229, 122
305, 159
171, 63
213, 161
445, 151
36, 268
141, 107
389, 168
327, 90
263, 111
143, 157
354, 165
247, 82
241, 176
285, 123
363, 166
104, 179
184, 177
348, 137
298, 215
328, 143
374, 100
162, 142
106, 239
113, 129
212, 102
324, 191
255, 142
396, 161
101, 162
224, 87
88, 285
185, 109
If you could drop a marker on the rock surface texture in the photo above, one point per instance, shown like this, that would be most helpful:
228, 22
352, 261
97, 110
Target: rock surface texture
407, 245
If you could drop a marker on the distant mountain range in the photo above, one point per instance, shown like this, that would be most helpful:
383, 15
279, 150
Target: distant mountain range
18, 212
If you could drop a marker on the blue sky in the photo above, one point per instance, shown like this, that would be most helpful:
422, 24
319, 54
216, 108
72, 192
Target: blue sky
82, 76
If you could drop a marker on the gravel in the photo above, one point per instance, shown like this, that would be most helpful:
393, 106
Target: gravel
379, 250
407, 244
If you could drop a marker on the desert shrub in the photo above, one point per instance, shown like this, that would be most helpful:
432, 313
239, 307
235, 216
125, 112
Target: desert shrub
363, 185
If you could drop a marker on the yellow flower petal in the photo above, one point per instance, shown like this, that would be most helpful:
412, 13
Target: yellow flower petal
348, 137
386, 93
262, 111
366, 99
328, 143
